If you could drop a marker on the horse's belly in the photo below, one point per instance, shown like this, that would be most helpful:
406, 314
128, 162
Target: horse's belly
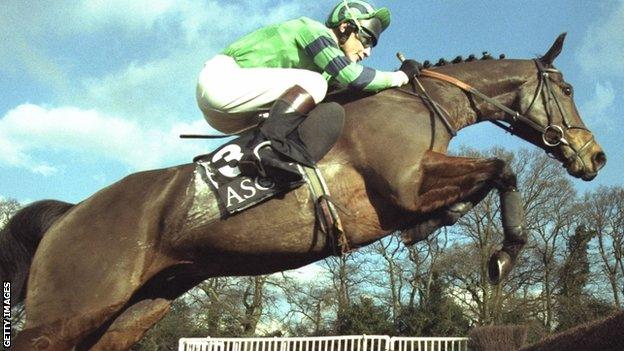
282, 225
279, 225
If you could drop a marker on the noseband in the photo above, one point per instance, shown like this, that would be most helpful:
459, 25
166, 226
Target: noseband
553, 134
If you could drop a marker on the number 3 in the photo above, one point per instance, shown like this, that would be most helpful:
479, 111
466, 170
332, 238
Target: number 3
230, 153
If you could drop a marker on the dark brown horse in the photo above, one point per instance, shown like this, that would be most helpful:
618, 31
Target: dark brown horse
108, 268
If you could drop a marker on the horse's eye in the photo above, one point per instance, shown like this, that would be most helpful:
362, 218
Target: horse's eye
567, 90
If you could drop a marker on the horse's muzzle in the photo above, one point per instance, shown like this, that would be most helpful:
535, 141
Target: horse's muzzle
599, 160
584, 165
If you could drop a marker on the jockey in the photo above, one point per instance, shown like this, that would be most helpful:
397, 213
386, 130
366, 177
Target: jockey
287, 67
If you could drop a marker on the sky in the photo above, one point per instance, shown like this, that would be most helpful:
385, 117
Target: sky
93, 90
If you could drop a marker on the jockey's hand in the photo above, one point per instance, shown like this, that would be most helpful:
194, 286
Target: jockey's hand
411, 68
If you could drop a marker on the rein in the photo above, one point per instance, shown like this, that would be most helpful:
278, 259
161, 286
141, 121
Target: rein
515, 115
552, 134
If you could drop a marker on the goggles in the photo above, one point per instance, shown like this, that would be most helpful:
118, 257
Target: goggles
366, 39
369, 31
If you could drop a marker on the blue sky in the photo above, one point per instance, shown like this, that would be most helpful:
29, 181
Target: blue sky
93, 90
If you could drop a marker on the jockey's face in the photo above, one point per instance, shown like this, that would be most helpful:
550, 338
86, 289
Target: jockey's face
353, 47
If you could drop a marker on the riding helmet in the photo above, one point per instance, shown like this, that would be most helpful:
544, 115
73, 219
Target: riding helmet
363, 15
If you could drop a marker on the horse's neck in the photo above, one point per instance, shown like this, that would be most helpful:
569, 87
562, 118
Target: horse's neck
498, 79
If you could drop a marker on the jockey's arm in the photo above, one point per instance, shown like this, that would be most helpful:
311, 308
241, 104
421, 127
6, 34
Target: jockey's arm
328, 56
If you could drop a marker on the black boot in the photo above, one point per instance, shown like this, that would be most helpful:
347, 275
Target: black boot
280, 130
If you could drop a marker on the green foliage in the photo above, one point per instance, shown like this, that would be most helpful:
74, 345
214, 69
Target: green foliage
575, 306
438, 315
364, 317
575, 271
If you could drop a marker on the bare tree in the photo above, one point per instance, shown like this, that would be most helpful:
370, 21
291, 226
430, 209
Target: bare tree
423, 260
390, 275
8, 207
604, 213
549, 204
346, 278
215, 302
551, 213
311, 305
254, 302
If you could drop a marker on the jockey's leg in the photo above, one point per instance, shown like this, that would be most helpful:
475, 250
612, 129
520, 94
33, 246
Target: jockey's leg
226, 89
280, 128
290, 136
232, 97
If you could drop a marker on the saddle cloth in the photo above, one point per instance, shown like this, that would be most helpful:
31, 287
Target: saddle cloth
236, 191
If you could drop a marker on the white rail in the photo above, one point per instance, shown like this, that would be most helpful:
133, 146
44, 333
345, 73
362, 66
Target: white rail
428, 344
325, 343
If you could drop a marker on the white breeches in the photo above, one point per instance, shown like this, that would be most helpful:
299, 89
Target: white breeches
231, 98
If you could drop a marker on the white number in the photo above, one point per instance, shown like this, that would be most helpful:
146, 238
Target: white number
229, 153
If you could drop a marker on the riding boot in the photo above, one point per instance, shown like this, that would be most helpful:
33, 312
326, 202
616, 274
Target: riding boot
284, 144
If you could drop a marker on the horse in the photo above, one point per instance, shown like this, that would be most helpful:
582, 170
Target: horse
107, 269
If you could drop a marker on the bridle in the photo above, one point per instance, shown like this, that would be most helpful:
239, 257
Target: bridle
553, 134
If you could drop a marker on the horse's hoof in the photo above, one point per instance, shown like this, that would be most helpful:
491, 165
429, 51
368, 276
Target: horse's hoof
499, 266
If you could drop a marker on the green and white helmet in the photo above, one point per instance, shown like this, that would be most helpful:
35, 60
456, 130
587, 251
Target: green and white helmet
363, 14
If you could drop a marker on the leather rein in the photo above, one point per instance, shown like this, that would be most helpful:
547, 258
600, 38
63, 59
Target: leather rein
552, 135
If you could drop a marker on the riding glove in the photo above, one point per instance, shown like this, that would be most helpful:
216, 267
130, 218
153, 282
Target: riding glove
411, 68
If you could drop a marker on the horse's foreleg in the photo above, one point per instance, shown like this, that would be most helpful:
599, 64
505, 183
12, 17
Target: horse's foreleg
451, 186
512, 213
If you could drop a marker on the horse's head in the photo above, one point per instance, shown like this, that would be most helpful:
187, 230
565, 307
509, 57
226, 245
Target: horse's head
547, 100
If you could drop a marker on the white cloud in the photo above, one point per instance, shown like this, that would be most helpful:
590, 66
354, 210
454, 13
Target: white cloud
604, 96
136, 14
602, 48
163, 88
148, 92
16, 155
69, 17
177, 35
598, 110
193, 18
127, 113
29, 129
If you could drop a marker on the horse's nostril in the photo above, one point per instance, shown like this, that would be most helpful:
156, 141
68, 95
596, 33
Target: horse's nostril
599, 159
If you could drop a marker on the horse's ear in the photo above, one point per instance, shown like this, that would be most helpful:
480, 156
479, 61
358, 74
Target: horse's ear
554, 50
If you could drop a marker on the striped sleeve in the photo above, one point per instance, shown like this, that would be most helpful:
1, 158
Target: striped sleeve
326, 54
